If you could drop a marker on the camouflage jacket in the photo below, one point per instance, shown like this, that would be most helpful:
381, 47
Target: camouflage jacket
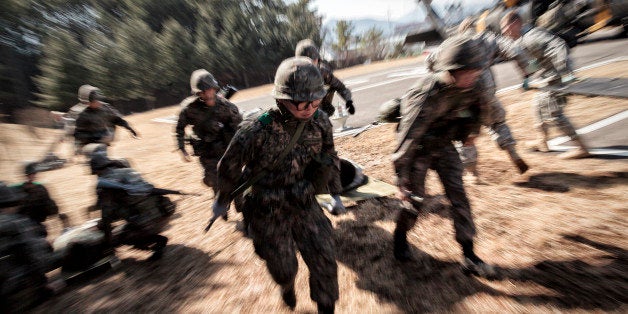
39, 205
434, 113
94, 122
212, 125
495, 48
21, 246
550, 51
333, 85
257, 145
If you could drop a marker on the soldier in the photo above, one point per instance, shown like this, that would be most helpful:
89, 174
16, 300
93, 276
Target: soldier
25, 257
96, 123
552, 55
436, 112
39, 204
214, 121
307, 48
284, 158
494, 117
124, 195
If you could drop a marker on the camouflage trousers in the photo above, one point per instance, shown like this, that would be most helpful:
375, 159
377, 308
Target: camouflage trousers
548, 110
210, 166
279, 230
447, 164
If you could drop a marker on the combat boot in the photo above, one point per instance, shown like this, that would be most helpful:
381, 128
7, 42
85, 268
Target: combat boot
580, 152
475, 266
158, 248
288, 295
517, 160
540, 145
401, 248
325, 309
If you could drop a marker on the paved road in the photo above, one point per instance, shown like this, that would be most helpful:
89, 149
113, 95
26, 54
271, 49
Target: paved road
373, 89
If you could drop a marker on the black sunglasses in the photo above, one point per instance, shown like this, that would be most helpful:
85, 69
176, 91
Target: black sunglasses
303, 105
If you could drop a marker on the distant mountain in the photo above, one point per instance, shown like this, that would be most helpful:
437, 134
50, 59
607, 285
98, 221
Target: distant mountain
361, 26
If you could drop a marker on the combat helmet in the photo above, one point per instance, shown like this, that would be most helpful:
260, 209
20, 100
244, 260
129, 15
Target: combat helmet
460, 52
88, 93
9, 196
99, 162
202, 80
298, 79
307, 48
31, 168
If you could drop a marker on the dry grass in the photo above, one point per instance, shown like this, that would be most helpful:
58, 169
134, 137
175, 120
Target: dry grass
558, 233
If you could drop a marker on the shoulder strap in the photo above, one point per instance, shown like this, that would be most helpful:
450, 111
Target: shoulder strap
264, 172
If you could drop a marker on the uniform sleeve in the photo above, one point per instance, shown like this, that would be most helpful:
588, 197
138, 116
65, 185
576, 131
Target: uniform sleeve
430, 61
238, 153
329, 149
182, 122
234, 121
116, 117
339, 87
419, 109
508, 50
50, 204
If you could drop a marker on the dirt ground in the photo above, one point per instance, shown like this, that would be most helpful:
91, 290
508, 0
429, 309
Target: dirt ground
558, 233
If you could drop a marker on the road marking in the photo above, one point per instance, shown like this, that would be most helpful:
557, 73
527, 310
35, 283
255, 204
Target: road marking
587, 67
556, 143
355, 82
412, 72
383, 83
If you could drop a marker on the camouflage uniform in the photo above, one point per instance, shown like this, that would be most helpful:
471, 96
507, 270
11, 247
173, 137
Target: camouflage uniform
434, 113
333, 85
96, 125
284, 214
552, 55
25, 257
39, 204
213, 127
494, 117
145, 215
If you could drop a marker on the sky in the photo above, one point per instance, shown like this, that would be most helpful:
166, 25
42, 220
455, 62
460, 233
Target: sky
353, 9
379, 9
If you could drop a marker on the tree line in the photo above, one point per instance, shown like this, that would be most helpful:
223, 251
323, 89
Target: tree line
145, 50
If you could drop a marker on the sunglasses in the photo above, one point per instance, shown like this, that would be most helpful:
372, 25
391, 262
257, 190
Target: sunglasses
300, 106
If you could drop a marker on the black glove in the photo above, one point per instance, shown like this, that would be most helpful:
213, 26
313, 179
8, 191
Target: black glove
350, 107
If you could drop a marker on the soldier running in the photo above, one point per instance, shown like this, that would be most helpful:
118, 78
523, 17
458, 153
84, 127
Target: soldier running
283, 158
96, 123
439, 109
552, 55
214, 121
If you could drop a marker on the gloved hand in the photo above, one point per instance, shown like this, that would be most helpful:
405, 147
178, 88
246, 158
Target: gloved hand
219, 209
526, 84
350, 107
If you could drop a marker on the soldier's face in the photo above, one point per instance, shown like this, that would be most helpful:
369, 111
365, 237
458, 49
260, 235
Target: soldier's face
303, 110
466, 78
512, 30
209, 96
94, 104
